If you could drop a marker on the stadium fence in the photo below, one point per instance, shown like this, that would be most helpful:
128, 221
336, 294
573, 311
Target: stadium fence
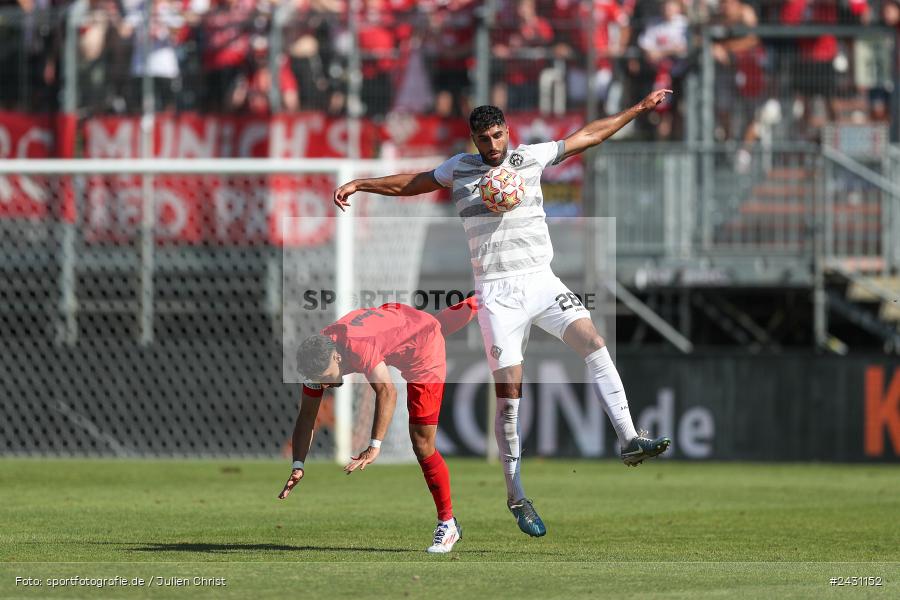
200, 251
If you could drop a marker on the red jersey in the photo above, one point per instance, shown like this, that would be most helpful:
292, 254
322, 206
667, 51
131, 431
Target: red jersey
226, 28
825, 47
396, 334
570, 15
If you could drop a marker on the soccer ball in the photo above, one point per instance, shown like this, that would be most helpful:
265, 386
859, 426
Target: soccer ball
501, 189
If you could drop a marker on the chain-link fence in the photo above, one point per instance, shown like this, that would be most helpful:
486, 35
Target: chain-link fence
789, 85
113, 346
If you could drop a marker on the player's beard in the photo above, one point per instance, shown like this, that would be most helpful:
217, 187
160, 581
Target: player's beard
496, 162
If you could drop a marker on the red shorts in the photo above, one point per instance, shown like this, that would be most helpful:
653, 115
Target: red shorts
424, 402
425, 378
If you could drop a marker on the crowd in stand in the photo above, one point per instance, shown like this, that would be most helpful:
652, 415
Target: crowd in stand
419, 56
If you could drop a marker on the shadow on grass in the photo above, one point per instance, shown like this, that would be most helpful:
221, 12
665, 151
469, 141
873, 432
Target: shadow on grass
225, 548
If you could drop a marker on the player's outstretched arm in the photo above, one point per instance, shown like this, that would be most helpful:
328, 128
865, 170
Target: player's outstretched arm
411, 184
453, 318
596, 132
385, 401
302, 438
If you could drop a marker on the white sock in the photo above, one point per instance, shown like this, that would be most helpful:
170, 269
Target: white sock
449, 522
608, 386
506, 429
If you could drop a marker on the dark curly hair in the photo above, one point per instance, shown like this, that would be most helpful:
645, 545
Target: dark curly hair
314, 354
485, 117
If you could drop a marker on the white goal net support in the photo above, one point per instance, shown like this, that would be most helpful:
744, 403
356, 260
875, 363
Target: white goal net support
161, 252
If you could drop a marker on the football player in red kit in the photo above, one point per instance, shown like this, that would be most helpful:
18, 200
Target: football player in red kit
367, 341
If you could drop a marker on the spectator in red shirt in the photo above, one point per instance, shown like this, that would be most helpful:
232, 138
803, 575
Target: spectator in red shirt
253, 86
738, 76
308, 41
571, 42
225, 40
520, 47
814, 72
378, 45
449, 48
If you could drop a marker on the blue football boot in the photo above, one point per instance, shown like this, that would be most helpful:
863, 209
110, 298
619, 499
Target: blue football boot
642, 447
527, 518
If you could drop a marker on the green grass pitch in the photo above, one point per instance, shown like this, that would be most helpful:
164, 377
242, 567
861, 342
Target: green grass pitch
662, 530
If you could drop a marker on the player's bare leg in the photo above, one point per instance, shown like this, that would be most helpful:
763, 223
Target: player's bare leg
582, 337
437, 476
508, 383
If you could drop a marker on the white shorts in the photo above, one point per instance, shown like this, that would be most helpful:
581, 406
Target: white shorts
508, 307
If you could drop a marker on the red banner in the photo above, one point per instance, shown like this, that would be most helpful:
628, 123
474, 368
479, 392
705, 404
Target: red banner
303, 135
26, 136
236, 209
220, 209
411, 136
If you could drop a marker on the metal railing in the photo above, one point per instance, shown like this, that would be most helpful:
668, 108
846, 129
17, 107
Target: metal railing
860, 206
682, 201
892, 173
787, 82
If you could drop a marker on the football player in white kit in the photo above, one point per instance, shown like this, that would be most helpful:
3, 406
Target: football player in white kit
511, 254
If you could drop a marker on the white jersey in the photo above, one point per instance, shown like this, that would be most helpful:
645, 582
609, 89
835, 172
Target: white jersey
503, 244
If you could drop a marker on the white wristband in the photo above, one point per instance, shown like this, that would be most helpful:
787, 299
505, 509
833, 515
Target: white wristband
373, 443
298, 464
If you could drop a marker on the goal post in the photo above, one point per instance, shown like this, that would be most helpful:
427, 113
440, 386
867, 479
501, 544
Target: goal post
344, 276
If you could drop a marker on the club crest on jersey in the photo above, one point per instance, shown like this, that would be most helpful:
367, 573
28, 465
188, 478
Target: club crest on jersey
516, 159
496, 351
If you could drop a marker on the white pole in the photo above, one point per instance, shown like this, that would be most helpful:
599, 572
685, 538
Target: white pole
344, 267
148, 222
344, 278
68, 327
148, 204
274, 263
